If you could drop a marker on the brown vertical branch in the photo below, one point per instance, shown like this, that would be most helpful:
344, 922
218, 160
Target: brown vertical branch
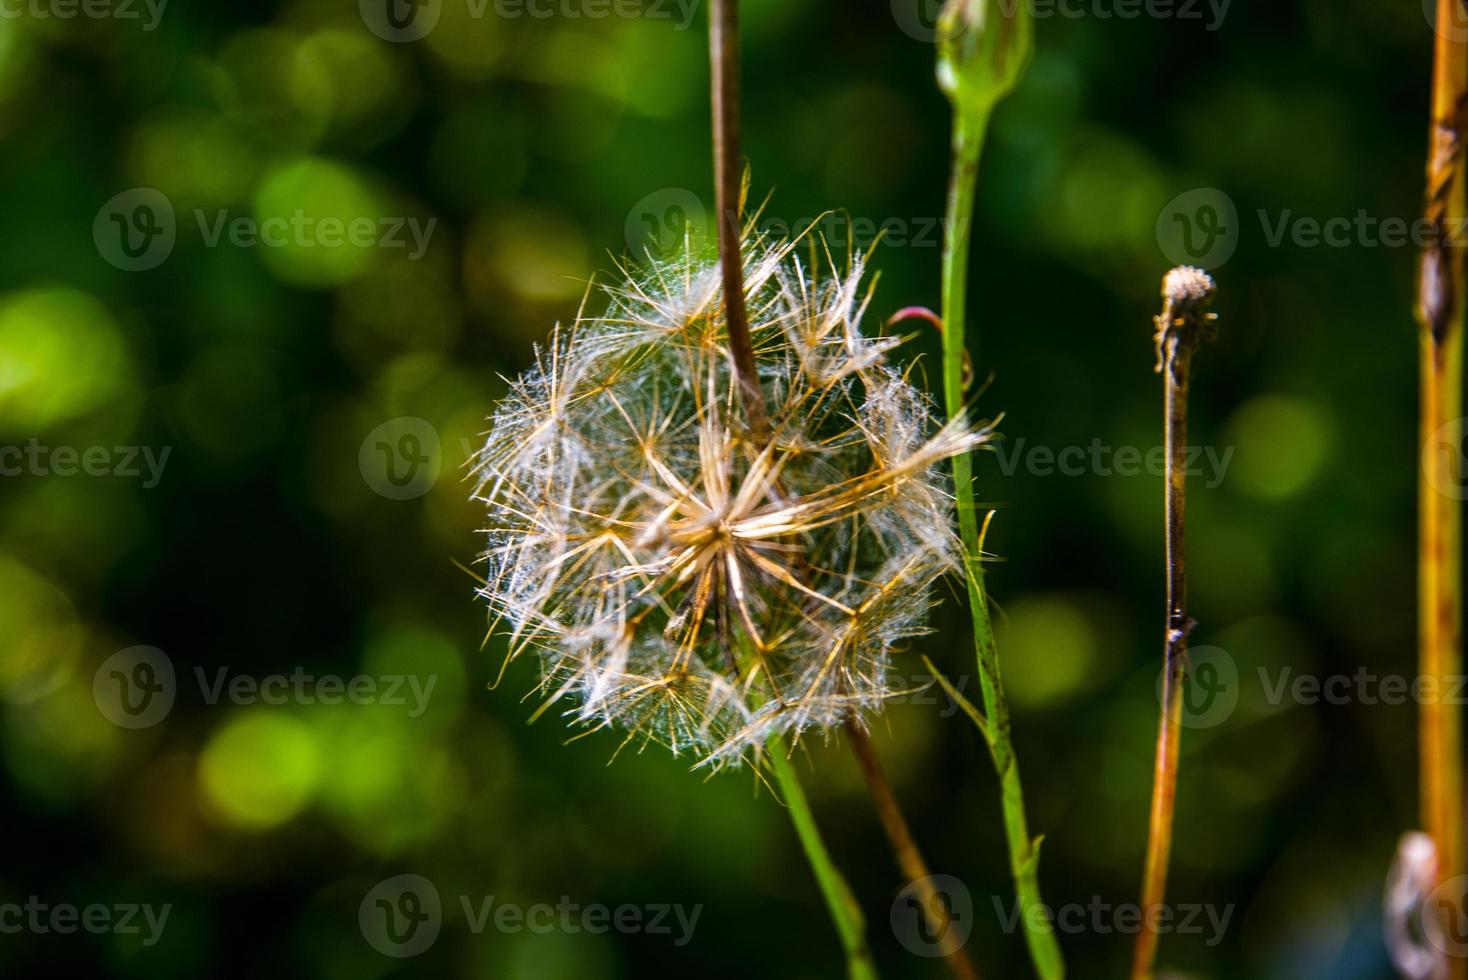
724, 90
724, 58
1440, 314
1183, 324
909, 858
724, 98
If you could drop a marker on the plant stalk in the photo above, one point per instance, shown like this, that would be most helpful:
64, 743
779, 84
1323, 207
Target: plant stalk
909, 858
724, 92
724, 98
724, 87
1024, 852
1440, 305
846, 914
1180, 328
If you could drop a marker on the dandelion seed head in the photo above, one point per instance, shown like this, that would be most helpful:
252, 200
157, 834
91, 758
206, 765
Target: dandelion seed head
690, 581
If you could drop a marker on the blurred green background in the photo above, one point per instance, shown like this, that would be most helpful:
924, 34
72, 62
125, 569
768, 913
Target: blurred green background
280, 537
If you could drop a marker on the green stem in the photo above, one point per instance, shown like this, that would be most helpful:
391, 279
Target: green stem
850, 924
1024, 854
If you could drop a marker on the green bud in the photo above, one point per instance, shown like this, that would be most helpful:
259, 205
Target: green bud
984, 47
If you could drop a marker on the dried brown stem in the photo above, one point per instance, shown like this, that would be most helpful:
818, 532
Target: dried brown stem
1183, 324
724, 89
909, 858
724, 58
1440, 315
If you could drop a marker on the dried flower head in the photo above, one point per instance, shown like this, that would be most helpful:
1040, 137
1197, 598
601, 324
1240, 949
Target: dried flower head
1185, 320
689, 580
1187, 284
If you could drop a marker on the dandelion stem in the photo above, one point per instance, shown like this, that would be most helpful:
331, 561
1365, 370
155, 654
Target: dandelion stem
724, 92
1440, 313
724, 56
724, 96
1024, 852
1182, 325
846, 914
909, 858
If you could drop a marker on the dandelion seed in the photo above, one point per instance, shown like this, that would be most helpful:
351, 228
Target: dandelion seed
683, 577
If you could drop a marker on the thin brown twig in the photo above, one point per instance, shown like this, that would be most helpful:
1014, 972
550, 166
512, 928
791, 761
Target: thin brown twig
724, 99
1440, 304
1183, 324
724, 89
724, 58
909, 859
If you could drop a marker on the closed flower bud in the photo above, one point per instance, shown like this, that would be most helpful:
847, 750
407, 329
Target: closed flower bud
984, 47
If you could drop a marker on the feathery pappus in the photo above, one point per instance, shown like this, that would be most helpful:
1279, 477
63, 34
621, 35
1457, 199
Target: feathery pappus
690, 580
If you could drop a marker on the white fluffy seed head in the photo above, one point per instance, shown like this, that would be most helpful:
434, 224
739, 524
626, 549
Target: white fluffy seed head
682, 578
1187, 284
